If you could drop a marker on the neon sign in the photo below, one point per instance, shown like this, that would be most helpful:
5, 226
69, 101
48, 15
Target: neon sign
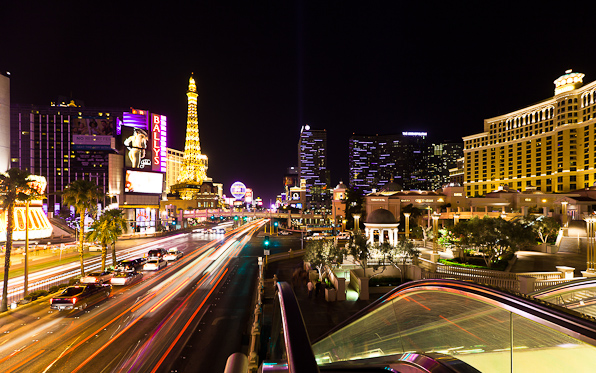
414, 133
158, 142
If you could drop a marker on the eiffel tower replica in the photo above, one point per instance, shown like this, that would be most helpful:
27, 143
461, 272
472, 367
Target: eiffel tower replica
192, 182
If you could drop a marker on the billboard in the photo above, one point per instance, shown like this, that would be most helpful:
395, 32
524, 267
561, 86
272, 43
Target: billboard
92, 133
248, 195
136, 141
144, 136
143, 182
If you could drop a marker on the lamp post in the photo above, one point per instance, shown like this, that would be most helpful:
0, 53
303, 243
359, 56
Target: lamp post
564, 213
356, 223
343, 225
591, 258
26, 253
407, 215
435, 217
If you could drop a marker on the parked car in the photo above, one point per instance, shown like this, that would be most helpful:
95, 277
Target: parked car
156, 253
80, 296
126, 278
96, 278
154, 264
130, 265
173, 254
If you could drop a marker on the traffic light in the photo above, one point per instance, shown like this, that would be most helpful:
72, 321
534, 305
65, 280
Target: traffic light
266, 241
235, 217
275, 224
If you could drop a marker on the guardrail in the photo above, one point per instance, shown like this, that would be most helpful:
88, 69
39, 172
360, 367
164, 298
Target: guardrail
287, 255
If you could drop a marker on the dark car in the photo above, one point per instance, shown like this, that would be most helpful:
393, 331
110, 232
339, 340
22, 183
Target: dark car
80, 297
130, 265
156, 253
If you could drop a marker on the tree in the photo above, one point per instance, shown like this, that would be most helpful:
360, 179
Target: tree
354, 205
495, 238
544, 227
117, 225
405, 249
101, 234
83, 195
14, 186
323, 253
106, 230
360, 249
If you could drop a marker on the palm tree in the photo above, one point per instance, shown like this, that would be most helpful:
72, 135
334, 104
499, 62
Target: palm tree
117, 226
83, 195
14, 186
100, 233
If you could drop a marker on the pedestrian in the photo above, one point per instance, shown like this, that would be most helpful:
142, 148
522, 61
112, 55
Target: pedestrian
318, 288
310, 288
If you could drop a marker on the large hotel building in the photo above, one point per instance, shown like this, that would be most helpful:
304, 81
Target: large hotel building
549, 146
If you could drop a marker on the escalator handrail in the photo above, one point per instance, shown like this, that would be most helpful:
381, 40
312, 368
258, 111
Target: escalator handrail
300, 356
567, 321
566, 286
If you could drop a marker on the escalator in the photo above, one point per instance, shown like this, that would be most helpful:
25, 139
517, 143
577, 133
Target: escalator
437, 326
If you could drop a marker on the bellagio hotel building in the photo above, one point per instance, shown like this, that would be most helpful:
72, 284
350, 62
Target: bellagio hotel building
549, 146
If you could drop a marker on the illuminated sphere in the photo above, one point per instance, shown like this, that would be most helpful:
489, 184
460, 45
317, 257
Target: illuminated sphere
238, 190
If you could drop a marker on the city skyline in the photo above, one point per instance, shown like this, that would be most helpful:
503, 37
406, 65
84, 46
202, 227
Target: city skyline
263, 71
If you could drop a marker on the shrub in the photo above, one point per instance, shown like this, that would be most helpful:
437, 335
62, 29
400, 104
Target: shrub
36, 294
384, 281
465, 265
54, 289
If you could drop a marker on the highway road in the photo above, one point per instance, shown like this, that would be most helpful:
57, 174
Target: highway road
140, 328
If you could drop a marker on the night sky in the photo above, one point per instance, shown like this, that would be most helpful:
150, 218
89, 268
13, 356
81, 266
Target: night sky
263, 69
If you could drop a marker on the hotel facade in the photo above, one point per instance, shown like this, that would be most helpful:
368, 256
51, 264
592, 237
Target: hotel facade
548, 147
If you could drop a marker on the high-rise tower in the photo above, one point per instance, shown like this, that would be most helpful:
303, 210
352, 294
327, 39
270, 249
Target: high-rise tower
194, 165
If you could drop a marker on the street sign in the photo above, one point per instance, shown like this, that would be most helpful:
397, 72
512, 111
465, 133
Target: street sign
267, 252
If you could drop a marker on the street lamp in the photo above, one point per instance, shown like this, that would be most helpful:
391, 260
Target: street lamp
407, 215
356, 222
435, 217
26, 253
564, 213
343, 224
591, 258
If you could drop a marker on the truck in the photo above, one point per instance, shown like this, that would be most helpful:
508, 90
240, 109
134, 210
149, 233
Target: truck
80, 296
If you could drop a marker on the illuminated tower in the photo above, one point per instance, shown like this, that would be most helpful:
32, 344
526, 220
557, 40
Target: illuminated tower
194, 164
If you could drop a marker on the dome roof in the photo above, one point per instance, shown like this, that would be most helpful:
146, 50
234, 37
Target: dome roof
381, 216
391, 187
341, 185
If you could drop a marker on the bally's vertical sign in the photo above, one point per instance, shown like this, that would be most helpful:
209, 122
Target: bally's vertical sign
158, 142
